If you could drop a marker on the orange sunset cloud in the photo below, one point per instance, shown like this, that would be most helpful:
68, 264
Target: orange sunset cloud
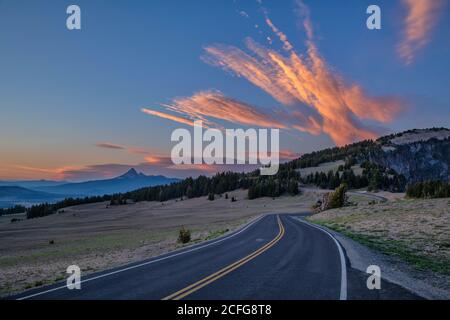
293, 80
313, 97
167, 116
421, 17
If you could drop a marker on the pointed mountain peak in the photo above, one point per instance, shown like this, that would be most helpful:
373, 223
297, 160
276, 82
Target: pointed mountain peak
132, 173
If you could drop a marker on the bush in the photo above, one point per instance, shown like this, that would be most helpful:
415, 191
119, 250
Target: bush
184, 235
338, 198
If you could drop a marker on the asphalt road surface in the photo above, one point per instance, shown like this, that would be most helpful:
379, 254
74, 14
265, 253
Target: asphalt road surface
276, 257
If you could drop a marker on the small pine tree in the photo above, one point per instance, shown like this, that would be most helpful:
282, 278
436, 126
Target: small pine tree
337, 199
184, 235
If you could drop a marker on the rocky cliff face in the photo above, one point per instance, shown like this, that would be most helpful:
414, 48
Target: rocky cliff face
417, 154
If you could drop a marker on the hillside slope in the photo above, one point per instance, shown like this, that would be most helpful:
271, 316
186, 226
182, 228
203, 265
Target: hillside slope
419, 154
12, 195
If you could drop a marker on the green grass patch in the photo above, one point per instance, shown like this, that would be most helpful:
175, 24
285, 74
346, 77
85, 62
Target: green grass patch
216, 234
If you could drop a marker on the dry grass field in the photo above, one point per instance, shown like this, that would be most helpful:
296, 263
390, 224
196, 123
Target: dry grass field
95, 236
417, 231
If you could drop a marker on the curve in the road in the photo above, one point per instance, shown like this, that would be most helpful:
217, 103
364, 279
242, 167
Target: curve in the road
343, 294
274, 257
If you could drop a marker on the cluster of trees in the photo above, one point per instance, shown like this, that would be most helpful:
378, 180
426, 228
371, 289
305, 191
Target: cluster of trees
272, 188
429, 189
381, 178
386, 139
373, 176
13, 210
332, 180
351, 151
191, 188
45, 209
285, 181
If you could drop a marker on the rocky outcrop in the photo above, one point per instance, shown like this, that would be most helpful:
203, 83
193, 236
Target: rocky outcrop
417, 161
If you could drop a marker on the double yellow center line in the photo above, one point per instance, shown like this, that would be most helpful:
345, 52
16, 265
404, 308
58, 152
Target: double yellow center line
222, 272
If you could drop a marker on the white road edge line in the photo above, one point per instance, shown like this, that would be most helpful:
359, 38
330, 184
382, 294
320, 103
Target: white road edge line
343, 294
152, 261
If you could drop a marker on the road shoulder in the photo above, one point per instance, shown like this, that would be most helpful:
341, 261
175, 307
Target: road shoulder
392, 270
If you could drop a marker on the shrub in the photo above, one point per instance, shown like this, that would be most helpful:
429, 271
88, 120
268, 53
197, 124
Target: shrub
184, 235
338, 197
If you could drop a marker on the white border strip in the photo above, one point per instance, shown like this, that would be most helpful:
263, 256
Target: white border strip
343, 294
152, 261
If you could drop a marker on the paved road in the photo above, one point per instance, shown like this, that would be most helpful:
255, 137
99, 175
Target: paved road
358, 193
275, 257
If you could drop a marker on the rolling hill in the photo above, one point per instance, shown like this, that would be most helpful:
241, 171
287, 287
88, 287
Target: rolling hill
30, 184
417, 155
12, 195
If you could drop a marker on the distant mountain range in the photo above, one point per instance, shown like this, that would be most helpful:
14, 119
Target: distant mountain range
31, 183
30, 192
12, 195
126, 182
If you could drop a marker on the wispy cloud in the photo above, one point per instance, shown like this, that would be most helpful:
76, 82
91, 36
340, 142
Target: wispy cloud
109, 145
52, 173
167, 116
295, 81
205, 105
421, 17
312, 96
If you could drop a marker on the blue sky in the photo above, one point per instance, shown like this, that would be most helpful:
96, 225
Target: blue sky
62, 92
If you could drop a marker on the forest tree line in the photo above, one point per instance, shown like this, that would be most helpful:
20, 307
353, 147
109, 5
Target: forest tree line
285, 181
373, 177
429, 189
12, 210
